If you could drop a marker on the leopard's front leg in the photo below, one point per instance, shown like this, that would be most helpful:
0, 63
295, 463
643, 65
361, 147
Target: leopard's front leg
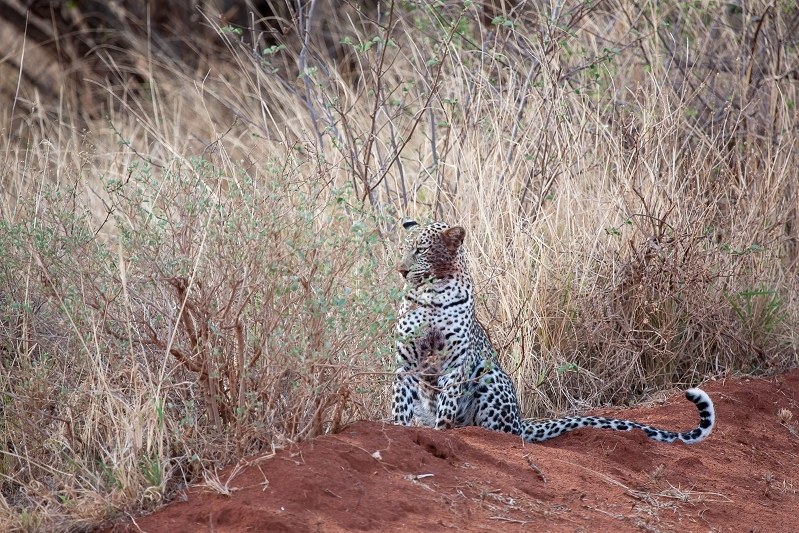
452, 388
405, 395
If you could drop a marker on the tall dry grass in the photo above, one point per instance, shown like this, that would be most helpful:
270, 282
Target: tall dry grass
203, 270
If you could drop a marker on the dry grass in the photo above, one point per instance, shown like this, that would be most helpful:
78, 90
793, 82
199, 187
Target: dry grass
198, 266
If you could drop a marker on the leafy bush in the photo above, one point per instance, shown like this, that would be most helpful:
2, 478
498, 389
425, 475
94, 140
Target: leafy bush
219, 314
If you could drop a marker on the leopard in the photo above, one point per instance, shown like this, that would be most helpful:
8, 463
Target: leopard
447, 371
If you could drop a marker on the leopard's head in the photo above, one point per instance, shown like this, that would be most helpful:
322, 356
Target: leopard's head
431, 251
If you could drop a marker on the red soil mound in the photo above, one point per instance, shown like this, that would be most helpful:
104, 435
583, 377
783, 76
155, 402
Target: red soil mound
376, 477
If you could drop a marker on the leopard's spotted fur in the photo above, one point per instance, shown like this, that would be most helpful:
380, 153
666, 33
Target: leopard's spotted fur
447, 374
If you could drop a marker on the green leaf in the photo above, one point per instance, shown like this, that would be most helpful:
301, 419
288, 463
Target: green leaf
569, 367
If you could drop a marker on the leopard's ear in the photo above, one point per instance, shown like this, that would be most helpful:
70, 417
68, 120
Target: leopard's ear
408, 224
453, 237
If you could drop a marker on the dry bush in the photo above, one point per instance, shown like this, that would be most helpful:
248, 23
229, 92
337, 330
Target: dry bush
224, 314
204, 272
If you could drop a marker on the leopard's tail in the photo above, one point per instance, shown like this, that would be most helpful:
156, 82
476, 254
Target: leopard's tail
549, 429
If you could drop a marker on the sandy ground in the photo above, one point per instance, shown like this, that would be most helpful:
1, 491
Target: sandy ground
378, 477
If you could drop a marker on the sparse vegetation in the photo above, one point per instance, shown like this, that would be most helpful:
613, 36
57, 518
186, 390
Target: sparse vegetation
196, 243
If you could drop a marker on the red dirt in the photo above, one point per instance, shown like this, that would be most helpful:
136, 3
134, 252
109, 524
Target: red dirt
743, 478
